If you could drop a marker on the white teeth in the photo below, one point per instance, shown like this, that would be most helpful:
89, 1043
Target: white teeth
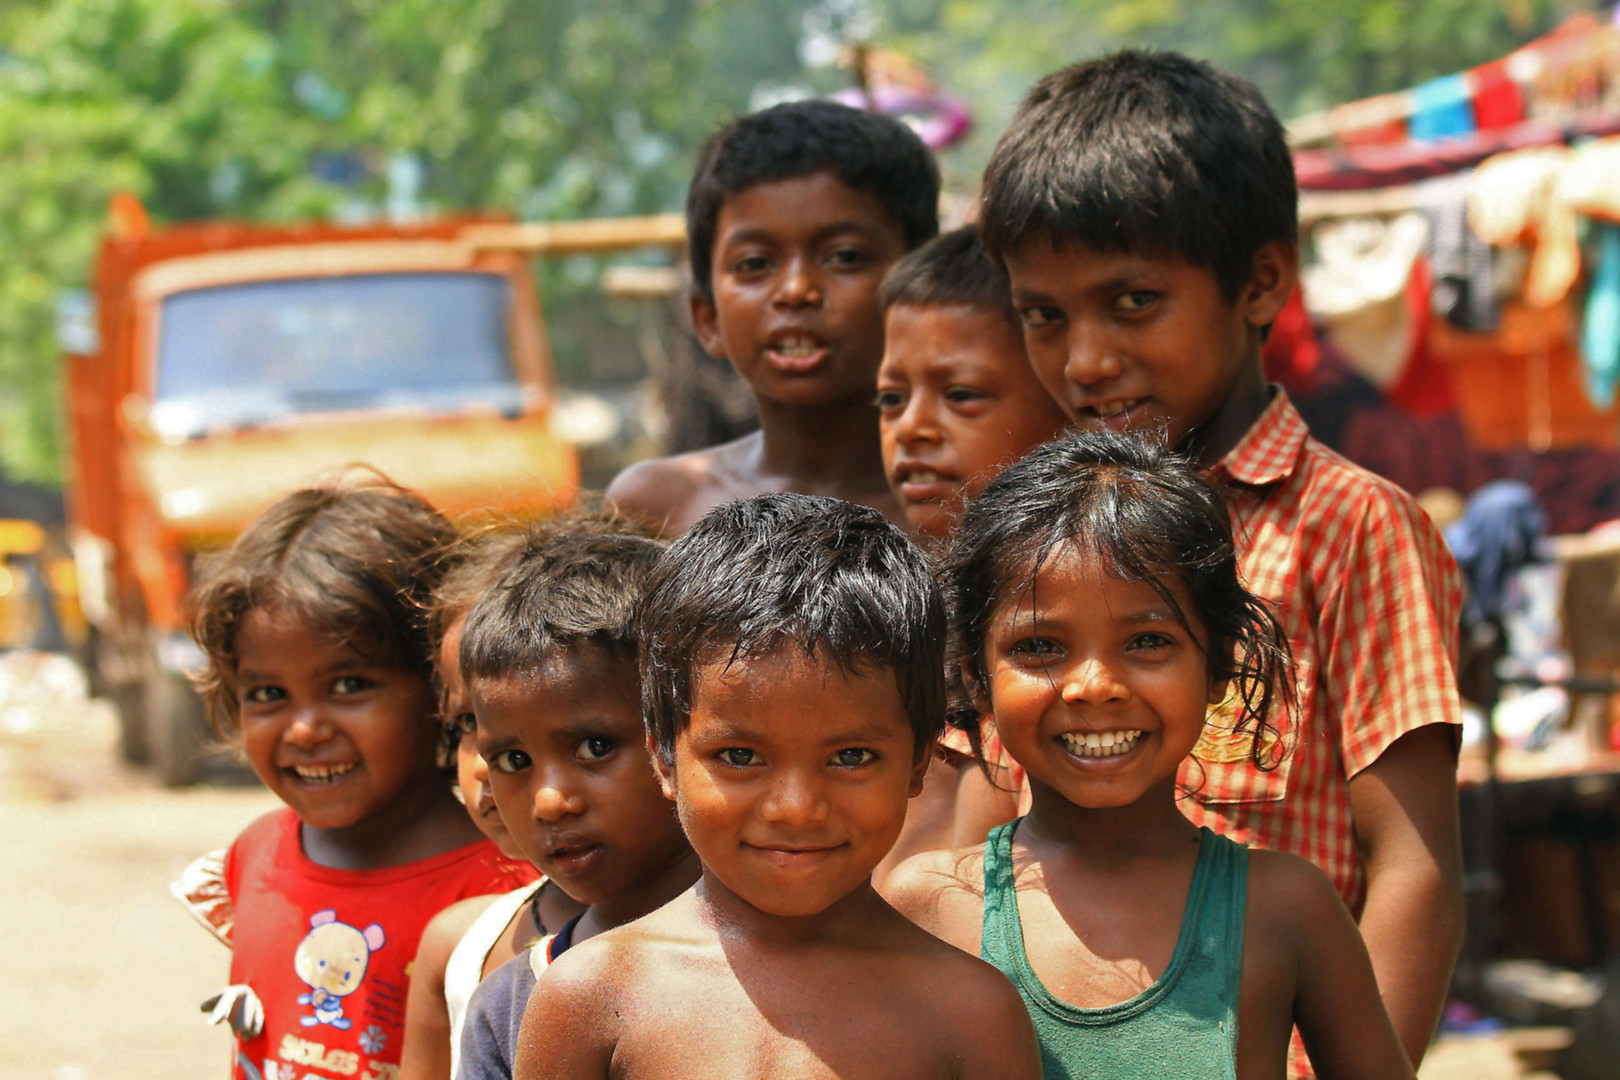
1100, 744
1114, 408
322, 773
922, 476
798, 347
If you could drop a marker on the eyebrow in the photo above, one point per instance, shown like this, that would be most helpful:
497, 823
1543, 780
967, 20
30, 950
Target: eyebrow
341, 667
745, 236
861, 733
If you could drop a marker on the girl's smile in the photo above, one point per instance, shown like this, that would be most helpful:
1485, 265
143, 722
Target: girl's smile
1099, 688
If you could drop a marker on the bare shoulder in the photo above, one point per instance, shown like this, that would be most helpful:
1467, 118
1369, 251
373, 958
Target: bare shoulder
672, 492
1291, 895
1000, 1042
446, 929
942, 892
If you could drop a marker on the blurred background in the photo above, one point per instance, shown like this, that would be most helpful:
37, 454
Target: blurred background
243, 242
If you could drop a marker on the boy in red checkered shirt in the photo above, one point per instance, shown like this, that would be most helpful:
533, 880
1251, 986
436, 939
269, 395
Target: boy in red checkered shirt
1144, 206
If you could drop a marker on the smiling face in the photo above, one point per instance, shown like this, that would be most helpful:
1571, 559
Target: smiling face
472, 774
797, 265
1130, 341
792, 778
958, 402
1100, 693
341, 737
568, 764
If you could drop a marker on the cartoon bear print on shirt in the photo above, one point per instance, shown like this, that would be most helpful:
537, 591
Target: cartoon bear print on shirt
332, 960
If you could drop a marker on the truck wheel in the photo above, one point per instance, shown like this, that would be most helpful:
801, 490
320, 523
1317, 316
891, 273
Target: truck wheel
178, 733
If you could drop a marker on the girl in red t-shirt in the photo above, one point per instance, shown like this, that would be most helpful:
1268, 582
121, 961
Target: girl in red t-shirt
320, 671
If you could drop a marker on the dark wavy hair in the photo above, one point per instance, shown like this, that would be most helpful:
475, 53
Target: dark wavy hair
357, 559
1144, 512
827, 577
952, 269
867, 151
1144, 151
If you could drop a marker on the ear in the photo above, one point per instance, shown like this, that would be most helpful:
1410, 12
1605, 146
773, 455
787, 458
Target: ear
665, 771
919, 772
322, 917
706, 324
374, 937
1272, 278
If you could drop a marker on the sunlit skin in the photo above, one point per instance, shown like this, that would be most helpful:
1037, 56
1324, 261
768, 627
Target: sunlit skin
958, 402
1085, 653
347, 740
472, 774
797, 265
792, 779
1138, 342
568, 764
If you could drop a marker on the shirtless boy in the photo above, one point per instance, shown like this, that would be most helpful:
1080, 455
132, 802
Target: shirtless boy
792, 685
793, 216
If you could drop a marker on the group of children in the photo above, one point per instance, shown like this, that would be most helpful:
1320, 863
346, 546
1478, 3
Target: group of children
1166, 686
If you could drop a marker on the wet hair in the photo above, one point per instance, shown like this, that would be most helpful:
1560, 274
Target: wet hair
1144, 151
867, 151
356, 559
564, 592
1146, 515
834, 580
482, 555
953, 269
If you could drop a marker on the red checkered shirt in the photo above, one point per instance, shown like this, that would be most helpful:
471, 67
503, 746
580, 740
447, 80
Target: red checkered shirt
1370, 598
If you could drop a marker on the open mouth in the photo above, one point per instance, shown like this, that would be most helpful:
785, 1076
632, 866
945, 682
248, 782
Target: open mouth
322, 774
1117, 410
796, 353
924, 485
1101, 744
573, 857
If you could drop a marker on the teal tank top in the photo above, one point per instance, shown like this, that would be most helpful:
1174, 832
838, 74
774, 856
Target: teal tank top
1184, 1026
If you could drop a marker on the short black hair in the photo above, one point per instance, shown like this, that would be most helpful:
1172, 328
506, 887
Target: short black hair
563, 592
866, 150
1144, 151
830, 578
951, 269
1146, 514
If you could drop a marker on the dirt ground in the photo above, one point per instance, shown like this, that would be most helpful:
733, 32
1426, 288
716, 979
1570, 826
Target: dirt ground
107, 969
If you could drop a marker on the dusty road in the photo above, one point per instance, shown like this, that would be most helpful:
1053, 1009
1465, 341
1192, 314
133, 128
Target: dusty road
105, 969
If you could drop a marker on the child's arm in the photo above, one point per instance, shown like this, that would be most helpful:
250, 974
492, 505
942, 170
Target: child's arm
571, 1024
1335, 997
1404, 807
425, 1053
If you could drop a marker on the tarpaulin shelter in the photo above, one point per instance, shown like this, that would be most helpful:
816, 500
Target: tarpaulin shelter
1459, 314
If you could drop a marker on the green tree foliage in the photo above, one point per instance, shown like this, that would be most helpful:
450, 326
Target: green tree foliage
282, 109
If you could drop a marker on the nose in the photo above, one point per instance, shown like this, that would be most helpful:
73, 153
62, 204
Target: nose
480, 771
555, 798
794, 800
919, 422
1091, 356
800, 284
1093, 681
308, 729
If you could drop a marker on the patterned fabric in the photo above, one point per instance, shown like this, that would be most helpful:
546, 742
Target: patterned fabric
1370, 598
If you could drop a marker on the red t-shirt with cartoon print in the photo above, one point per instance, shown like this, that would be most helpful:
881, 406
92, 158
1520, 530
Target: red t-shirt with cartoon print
328, 952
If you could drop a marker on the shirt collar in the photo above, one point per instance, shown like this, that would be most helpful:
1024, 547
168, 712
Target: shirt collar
1269, 450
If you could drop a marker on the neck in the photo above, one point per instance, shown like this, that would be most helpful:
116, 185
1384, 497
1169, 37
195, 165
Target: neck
1151, 827
407, 831
736, 920
650, 893
835, 444
1215, 437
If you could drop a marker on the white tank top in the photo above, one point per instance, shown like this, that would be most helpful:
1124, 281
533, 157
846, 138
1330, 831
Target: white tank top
465, 968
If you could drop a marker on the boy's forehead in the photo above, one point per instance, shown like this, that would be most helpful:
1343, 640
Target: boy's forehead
1067, 264
922, 337
813, 203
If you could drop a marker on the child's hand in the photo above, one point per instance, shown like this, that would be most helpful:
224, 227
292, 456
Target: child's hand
239, 1005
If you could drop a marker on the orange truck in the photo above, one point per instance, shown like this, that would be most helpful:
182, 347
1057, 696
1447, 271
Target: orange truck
232, 363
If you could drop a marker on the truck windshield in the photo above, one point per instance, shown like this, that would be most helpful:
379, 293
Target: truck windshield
244, 354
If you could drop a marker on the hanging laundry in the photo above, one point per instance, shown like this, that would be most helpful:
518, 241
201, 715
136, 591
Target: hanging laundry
1461, 262
1591, 181
1357, 290
1600, 325
1374, 121
1498, 99
1441, 109
1516, 198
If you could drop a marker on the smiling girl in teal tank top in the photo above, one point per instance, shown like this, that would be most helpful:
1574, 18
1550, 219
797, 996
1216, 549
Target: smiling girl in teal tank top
1102, 624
